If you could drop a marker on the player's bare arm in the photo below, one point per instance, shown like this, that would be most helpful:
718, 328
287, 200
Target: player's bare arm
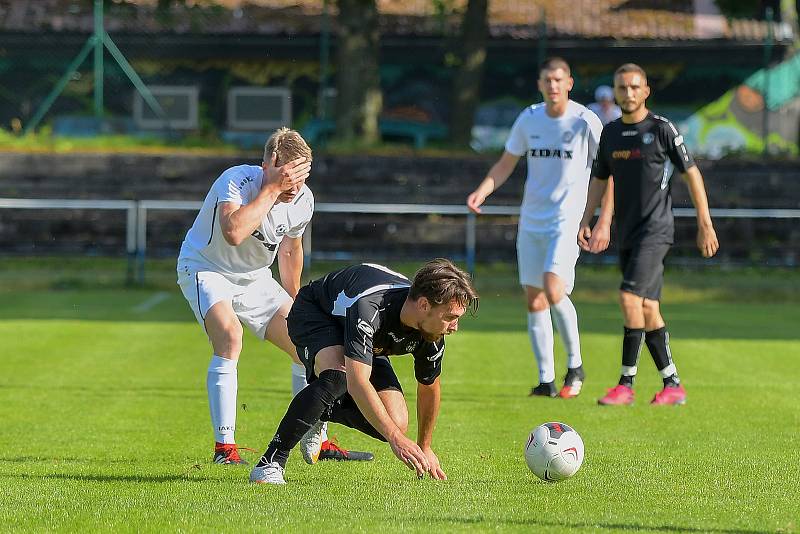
706, 236
238, 222
497, 176
601, 233
290, 264
428, 400
597, 190
369, 403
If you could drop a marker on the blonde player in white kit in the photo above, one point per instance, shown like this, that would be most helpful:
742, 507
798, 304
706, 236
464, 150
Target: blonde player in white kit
560, 139
250, 216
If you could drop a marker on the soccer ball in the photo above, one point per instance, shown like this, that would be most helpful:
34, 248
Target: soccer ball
554, 451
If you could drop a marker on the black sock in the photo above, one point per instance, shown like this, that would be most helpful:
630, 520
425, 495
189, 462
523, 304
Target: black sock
305, 409
631, 347
658, 344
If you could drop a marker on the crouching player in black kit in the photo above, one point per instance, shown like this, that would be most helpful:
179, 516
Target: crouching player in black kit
640, 150
345, 326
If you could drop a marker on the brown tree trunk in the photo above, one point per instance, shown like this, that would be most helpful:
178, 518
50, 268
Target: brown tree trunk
467, 82
359, 99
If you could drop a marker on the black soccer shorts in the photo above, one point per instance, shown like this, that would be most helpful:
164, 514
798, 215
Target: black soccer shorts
643, 269
311, 330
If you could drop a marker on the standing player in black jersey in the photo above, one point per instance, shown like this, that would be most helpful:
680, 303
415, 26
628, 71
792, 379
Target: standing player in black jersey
345, 326
640, 150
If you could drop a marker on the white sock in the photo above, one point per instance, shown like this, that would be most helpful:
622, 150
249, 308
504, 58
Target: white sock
222, 384
566, 320
298, 383
298, 378
540, 330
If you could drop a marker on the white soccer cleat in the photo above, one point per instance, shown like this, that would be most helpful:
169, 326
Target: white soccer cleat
272, 473
311, 443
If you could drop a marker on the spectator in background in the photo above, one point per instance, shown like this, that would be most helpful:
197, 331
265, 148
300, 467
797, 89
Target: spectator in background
604, 106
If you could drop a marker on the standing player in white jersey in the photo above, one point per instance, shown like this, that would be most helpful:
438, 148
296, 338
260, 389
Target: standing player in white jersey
560, 139
250, 216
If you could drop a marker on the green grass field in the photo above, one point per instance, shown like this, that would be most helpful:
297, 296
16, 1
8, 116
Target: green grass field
105, 423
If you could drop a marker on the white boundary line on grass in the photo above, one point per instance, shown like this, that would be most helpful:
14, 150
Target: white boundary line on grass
151, 302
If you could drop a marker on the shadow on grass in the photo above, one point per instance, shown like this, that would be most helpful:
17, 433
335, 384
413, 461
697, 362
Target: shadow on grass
594, 526
144, 392
111, 478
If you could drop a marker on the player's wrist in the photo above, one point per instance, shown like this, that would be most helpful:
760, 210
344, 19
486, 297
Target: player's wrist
705, 227
395, 435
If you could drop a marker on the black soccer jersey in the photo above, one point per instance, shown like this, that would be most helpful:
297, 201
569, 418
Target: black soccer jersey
366, 300
641, 157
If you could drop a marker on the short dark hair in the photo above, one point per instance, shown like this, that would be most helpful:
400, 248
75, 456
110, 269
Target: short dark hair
553, 63
441, 282
631, 67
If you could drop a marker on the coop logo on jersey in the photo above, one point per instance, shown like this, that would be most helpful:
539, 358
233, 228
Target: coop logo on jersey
550, 153
627, 154
648, 138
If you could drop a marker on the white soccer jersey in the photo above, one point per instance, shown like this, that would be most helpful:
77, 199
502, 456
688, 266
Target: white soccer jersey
206, 246
560, 152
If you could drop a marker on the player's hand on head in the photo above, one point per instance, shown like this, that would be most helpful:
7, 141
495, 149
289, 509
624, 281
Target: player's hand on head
410, 454
436, 471
288, 175
474, 202
707, 242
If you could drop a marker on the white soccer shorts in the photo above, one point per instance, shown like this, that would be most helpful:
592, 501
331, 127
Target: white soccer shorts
547, 252
255, 303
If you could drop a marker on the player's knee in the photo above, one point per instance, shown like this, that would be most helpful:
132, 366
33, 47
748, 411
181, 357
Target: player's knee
553, 288
538, 301
334, 384
233, 335
227, 340
554, 294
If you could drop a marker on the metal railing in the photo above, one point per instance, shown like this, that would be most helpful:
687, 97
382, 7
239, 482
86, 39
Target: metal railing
136, 218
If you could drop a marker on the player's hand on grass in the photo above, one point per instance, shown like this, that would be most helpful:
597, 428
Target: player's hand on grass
707, 241
288, 175
433, 461
600, 238
410, 454
474, 202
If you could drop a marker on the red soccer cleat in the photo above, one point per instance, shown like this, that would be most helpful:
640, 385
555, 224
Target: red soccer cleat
617, 395
670, 395
227, 454
573, 383
331, 451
